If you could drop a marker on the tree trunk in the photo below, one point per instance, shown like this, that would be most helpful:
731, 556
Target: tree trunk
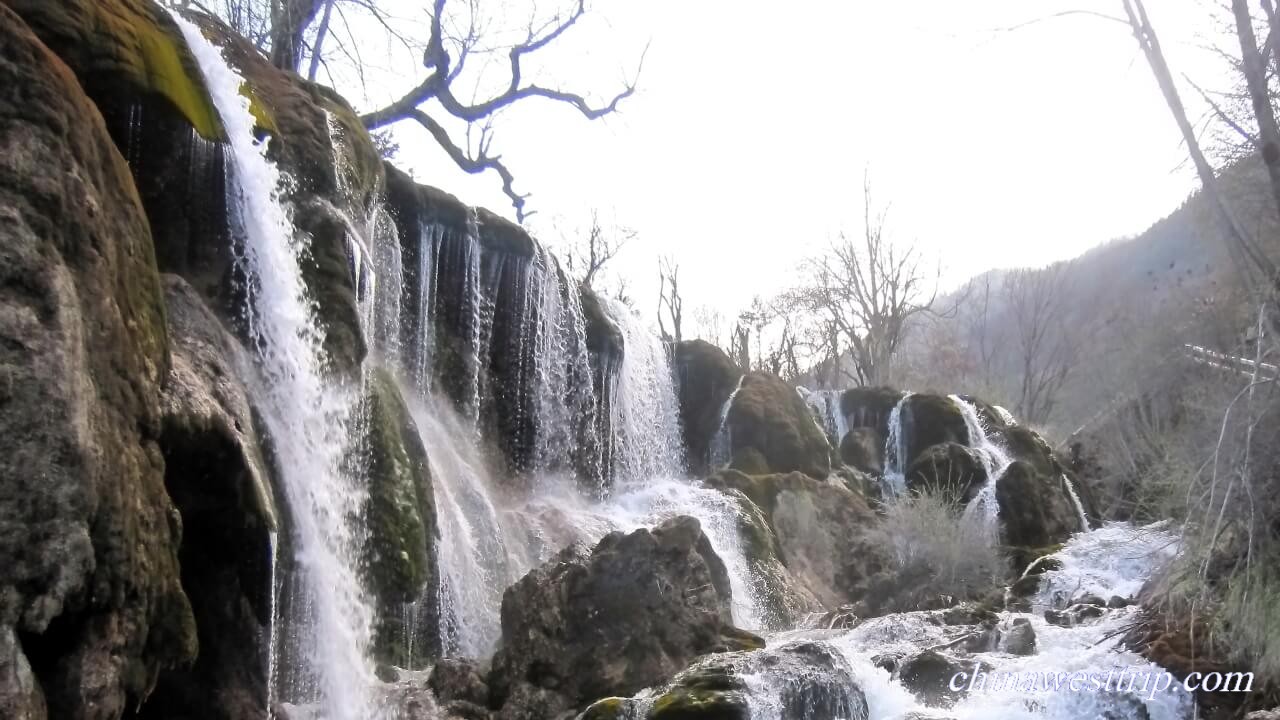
288, 28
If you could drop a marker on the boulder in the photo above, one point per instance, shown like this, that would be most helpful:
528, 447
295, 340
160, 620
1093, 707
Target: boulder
804, 680
1035, 509
629, 614
825, 532
928, 676
929, 420
1020, 638
91, 602
862, 448
950, 469
400, 514
457, 679
706, 377
783, 600
771, 430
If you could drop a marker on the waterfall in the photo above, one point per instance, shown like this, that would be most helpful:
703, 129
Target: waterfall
993, 457
645, 417
307, 420
720, 451
825, 406
1075, 501
895, 448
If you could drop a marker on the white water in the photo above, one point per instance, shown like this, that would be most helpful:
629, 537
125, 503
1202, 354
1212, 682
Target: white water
308, 420
993, 457
1075, 501
825, 406
895, 450
720, 450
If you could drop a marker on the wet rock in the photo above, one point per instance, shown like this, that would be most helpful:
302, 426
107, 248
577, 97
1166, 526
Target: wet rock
610, 708
630, 614
705, 377
950, 469
1117, 602
527, 701
929, 420
795, 682
457, 679
400, 558
968, 614
1074, 615
1020, 639
928, 676
824, 531
90, 593
782, 598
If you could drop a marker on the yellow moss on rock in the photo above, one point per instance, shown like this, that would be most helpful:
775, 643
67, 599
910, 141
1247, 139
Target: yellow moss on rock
130, 40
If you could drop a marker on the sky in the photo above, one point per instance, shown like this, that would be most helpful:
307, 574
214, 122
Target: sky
993, 142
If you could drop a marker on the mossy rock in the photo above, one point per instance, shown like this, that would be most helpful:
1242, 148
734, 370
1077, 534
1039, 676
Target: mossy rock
869, 406
930, 420
1035, 510
400, 513
862, 448
132, 42
947, 468
705, 693
610, 708
706, 377
768, 416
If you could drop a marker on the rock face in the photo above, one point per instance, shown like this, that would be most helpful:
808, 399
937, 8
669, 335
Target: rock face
824, 532
948, 468
90, 596
636, 610
214, 472
1035, 509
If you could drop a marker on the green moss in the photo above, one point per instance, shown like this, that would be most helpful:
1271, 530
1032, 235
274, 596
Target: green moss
700, 704
610, 708
400, 513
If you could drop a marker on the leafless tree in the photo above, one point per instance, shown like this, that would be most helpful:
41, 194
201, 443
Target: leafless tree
1036, 301
445, 57
289, 31
670, 302
589, 255
740, 345
868, 289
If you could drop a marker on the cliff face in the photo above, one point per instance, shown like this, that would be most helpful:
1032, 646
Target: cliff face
90, 599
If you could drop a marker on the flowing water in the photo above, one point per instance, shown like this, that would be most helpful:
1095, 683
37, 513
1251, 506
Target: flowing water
328, 629
894, 477
594, 452
720, 450
993, 457
825, 406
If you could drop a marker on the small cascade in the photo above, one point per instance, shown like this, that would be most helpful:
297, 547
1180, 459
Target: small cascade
1075, 501
720, 450
1005, 416
895, 448
825, 406
330, 627
994, 458
645, 414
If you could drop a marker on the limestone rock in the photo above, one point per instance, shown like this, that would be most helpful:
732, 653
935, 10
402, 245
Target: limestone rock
824, 531
629, 614
771, 424
705, 379
88, 536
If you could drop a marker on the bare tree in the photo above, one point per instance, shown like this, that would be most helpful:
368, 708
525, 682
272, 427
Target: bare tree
1036, 301
445, 57
590, 253
670, 302
288, 31
867, 289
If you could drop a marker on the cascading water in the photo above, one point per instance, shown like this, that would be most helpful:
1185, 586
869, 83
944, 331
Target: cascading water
721, 448
308, 420
825, 406
1075, 501
895, 448
993, 457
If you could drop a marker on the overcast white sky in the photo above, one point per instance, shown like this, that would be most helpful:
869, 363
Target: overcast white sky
743, 151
